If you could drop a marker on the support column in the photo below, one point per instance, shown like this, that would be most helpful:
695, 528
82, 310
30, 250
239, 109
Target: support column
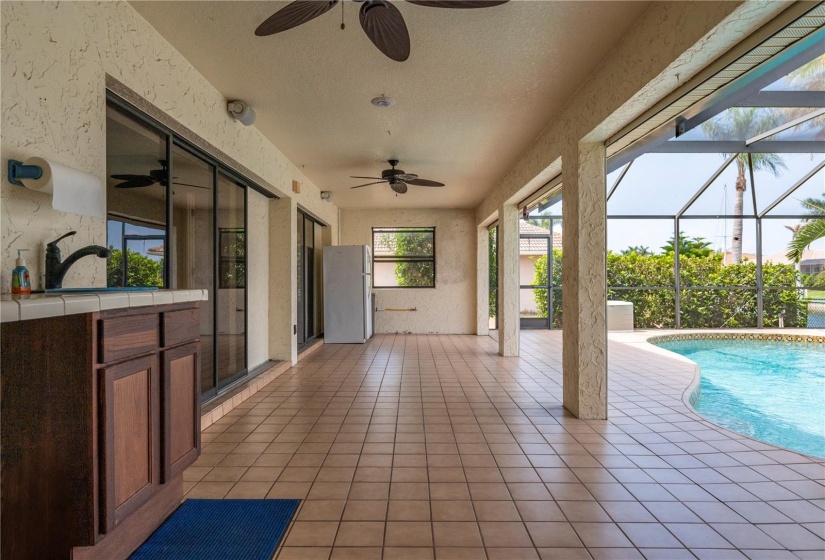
283, 282
483, 282
508, 280
584, 292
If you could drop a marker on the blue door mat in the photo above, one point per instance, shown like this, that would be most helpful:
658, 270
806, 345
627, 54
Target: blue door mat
220, 530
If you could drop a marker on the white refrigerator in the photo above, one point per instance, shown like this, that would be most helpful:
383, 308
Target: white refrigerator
348, 304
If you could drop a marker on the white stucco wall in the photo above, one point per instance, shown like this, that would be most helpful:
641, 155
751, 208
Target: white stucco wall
450, 307
55, 57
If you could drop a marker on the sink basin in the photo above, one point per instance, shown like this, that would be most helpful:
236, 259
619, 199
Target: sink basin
99, 290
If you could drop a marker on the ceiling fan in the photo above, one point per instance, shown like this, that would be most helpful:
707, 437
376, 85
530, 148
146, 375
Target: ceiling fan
398, 179
380, 20
155, 176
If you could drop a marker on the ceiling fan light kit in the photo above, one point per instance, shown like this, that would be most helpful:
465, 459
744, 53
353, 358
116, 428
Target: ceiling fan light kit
397, 179
380, 20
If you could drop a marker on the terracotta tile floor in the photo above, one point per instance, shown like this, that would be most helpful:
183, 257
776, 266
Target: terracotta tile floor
436, 447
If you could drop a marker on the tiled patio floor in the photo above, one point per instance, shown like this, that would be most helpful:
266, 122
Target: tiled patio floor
436, 447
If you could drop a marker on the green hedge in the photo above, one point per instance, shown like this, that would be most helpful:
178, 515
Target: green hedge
700, 308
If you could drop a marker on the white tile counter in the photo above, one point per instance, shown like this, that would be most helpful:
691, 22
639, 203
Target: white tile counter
40, 306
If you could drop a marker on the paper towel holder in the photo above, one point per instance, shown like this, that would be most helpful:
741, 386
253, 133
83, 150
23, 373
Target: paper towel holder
17, 171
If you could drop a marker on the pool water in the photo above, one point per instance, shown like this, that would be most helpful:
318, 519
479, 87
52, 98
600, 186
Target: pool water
770, 391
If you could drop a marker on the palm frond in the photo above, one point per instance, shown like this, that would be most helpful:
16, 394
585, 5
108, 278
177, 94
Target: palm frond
807, 234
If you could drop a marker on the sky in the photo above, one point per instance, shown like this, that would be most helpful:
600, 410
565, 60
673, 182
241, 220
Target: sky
661, 184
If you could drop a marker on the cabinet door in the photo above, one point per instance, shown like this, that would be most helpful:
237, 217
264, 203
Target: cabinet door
181, 411
130, 446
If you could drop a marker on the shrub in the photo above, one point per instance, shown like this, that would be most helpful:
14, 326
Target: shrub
650, 282
143, 271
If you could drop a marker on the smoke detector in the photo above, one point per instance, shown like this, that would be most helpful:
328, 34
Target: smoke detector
383, 101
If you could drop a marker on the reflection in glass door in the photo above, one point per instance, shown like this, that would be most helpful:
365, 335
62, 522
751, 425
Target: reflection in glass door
231, 298
193, 260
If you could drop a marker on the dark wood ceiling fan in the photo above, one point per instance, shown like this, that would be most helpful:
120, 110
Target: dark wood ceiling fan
380, 20
397, 179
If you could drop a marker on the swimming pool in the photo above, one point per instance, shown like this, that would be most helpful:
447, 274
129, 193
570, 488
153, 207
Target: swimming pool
770, 391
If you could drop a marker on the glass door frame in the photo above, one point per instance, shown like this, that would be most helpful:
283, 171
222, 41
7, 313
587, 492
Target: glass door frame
222, 386
527, 323
492, 279
303, 302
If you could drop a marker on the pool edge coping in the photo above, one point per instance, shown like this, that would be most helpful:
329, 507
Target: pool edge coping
692, 389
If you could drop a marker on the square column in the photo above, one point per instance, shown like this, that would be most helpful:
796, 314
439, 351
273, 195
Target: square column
283, 280
483, 282
584, 292
508, 280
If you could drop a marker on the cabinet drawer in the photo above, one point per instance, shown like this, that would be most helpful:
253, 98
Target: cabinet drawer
123, 337
180, 326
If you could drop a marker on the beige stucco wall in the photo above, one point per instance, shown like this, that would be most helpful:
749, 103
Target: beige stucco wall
450, 307
55, 57
258, 284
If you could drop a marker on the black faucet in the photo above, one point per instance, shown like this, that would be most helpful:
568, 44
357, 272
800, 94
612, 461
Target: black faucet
56, 270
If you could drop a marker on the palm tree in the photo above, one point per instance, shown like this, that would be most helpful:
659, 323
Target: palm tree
741, 123
811, 231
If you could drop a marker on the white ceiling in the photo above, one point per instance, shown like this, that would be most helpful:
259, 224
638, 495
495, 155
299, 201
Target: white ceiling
478, 87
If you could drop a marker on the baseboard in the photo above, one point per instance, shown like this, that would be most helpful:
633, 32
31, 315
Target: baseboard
221, 406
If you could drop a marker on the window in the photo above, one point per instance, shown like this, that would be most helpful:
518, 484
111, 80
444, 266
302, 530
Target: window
233, 259
137, 258
403, 257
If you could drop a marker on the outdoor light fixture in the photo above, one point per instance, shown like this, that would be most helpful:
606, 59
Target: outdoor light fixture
383, 101
241, 111
326, 195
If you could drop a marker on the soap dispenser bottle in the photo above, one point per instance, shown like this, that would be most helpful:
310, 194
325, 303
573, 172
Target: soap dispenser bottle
20, 282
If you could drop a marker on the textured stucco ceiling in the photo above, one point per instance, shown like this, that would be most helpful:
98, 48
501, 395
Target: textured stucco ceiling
478, 87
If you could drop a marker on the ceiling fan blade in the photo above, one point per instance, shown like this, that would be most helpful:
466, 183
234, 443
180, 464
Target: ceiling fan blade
458, 3
133, 181
357, 177
425, 183
293, 15
368, 184
399, 187
384, 25
406, 177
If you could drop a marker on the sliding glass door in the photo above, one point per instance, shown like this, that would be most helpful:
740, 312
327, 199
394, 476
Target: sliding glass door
193, 251
231, 298
309, 254
177, 220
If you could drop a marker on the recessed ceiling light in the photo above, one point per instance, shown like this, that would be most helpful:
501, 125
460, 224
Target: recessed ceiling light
383, 101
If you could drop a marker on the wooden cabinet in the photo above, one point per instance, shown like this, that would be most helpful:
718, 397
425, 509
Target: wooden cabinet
100, 415
180, 410
130, 437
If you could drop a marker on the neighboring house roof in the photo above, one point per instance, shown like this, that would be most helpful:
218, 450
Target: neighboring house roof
536, 246
809, 257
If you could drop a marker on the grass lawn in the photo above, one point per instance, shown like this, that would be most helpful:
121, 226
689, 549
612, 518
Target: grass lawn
816, 294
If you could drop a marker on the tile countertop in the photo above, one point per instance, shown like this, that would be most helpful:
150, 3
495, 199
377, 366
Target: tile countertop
41, 306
